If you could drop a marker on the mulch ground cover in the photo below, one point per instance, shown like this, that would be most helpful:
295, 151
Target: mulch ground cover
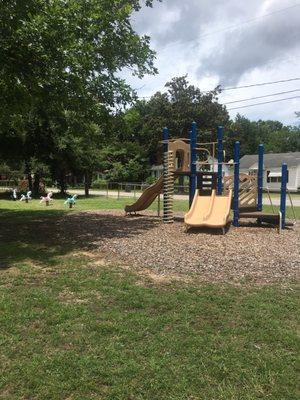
247, 254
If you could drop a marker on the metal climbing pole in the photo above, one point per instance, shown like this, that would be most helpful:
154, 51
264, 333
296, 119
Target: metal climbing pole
260, 177
236, 184
193, 162
168, 179
220, 159
168, 215
283, 189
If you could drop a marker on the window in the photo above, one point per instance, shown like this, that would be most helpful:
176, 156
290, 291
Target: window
275, 177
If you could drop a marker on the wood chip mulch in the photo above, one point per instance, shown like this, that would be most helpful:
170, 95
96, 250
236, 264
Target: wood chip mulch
247, 254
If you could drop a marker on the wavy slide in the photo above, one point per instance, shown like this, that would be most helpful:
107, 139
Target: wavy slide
209, 211
146, 198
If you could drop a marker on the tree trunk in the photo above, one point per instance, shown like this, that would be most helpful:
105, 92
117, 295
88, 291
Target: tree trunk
36, 185
29, 178
62, 183
87, 184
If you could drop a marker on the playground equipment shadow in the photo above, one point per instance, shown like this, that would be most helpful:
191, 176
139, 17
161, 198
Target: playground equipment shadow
40, 233
74, 325
145, 244
43, 236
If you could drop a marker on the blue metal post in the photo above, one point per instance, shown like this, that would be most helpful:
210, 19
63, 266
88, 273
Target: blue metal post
236, 184
165, 139
193, 162
260, 177
220, 160
284, 173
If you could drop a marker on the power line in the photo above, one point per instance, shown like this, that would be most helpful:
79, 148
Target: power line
261, 97
265, 102
247, 21
242, 87
260, 84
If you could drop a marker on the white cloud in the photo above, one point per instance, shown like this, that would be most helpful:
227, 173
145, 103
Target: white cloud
192, 36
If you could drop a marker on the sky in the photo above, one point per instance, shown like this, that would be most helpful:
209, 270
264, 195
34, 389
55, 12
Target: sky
229, 43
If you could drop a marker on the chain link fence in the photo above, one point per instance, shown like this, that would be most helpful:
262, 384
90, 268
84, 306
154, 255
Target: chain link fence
125, 189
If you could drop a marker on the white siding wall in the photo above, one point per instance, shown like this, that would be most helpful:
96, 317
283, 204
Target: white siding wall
294, 178
293, 181
272, 185
297, 179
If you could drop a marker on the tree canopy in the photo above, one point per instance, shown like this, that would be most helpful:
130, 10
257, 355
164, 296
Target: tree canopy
64, 107
59, 75
176, 109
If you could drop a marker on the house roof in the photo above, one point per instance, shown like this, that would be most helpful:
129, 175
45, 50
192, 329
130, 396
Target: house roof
271, 160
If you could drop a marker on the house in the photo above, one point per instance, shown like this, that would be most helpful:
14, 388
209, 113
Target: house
272, 169
157, 171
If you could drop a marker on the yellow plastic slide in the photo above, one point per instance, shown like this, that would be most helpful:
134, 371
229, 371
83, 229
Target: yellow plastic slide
147, 197
209, 211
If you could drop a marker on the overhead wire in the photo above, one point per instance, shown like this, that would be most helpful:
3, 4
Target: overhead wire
261, 97
259, 84
261, 103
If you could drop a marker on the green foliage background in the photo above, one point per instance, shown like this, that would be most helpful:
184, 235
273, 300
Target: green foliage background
64, 108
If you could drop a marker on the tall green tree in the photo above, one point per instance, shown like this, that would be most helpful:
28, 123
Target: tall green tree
276, 137
60, 58
177, 109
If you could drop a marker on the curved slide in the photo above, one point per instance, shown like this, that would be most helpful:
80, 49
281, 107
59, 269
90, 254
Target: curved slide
146, 198
209, 211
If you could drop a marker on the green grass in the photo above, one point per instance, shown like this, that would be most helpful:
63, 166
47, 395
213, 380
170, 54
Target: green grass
15, 208
276, 195
23, 210
77, 331
73, 328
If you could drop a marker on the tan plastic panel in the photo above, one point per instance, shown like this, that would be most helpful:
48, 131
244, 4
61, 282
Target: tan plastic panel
212, 211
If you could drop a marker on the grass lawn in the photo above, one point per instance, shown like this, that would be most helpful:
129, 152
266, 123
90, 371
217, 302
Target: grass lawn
276, 195
8, 207
74, 328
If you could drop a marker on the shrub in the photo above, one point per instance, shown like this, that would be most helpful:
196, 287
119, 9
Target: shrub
150, 180
98, 183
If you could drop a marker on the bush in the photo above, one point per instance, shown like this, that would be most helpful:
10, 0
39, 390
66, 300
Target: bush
98, 184
48, 182
150, 180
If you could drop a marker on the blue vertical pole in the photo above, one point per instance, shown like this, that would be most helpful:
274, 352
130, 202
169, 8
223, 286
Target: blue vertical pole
260, 177
193, 162
220, 160
284, 172
236, 184
165, 139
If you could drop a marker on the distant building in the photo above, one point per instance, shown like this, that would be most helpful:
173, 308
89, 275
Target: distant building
157, 171
272, 169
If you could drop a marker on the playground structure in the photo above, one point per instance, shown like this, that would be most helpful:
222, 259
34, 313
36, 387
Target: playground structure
26, 197
47, 199
211, 195
209, 211
71, 200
